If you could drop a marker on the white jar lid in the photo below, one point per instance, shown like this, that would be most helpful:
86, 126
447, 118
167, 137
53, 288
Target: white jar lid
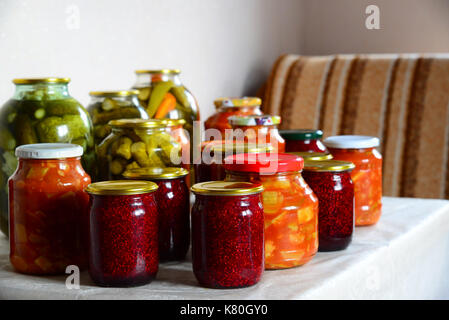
49, 151
351, 142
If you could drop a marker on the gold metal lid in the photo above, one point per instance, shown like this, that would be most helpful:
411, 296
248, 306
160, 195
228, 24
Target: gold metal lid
137, 123
159, 71
313, 156
174, 122
121, 187
226, 188
111, 94
41, 80
155, 173
328, 166
229, 147
237, 102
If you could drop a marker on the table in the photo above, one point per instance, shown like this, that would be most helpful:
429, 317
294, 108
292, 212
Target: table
404, 256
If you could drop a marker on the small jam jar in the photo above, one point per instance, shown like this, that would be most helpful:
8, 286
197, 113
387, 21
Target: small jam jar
123, 232
227, 234
303, 140
227, 107
290, 206
331, 182
172, 198
367, 175
48, 209
213, 153
313, 156
258, 129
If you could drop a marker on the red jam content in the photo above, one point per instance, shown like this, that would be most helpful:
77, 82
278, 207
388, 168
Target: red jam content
48, 209
303, 140
331, 182
172, 198
367, 175
123, 249
227, 234
290, 207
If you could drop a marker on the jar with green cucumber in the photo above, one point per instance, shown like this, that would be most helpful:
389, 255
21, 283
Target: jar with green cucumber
40, 111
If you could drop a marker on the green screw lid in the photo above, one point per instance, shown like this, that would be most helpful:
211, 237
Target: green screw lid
301, 134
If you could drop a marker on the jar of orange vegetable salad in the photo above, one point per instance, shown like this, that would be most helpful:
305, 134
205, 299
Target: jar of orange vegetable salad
367, 175
289, 204
48, 209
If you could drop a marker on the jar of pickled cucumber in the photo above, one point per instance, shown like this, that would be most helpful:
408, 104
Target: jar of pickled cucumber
136, 143
41, 110
105, 106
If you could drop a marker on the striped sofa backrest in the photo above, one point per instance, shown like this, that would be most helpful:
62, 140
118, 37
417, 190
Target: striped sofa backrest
402, 99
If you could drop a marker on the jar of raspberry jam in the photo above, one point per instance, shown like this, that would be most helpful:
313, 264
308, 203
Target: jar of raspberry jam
172, 198
290, 206
123, 232
48, 209
331, 182
366, 176
303, 140
227, 234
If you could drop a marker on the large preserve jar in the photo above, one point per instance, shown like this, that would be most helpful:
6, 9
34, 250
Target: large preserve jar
258, 129
227, 107
173, 202
331, 182
112, 105
303, 140
136, 143
227, 234
290, 206
48, 209
123, 233
367, 175
41, 110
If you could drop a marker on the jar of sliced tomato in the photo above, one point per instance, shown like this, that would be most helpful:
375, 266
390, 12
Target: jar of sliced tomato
227, 234
227, 107
290, 206
303, 140
48, 209
123, 232
173, 202
331, 182
258, 129
367, 175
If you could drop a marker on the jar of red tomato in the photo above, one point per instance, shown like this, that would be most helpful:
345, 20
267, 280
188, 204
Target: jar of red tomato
290, 206
227, 234
367, 175
227, 107
210, 166
172, 198
331, 182
48, 209
123, 232
303, 140
258, 129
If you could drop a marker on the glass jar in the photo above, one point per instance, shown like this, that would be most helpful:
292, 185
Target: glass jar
112, 105
227, 107
136, 143
41, 110
367, 175
258, 130
303, 140
123, 233
173, 202
210, 166
331, 182
289, 205
313, 156
48, 209
176, 129
227, 234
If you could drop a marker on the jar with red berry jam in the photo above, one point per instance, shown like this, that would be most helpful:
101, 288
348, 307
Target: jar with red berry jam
303, 140
331, 182
172, 198
123, 229
227, 234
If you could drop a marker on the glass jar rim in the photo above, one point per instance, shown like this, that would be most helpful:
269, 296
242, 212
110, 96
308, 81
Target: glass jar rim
114, 93
158, 71
328, 166
314, 156
301, 134
236, 102
121, 187
155, 173
49, 80
226, 188
137, 123
254, 120
48, 151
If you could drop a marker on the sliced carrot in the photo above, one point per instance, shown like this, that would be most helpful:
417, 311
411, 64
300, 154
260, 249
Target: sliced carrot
167, 105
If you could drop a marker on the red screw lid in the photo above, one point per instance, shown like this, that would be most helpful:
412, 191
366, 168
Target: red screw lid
264, 163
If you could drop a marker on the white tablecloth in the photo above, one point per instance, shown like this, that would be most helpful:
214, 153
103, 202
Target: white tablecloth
405, 256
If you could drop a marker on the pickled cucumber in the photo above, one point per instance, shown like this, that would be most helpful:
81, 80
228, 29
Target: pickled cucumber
24, 131
7, 141
62, 129
157, 95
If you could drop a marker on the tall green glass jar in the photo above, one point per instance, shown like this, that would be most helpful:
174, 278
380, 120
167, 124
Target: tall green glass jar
41, 110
